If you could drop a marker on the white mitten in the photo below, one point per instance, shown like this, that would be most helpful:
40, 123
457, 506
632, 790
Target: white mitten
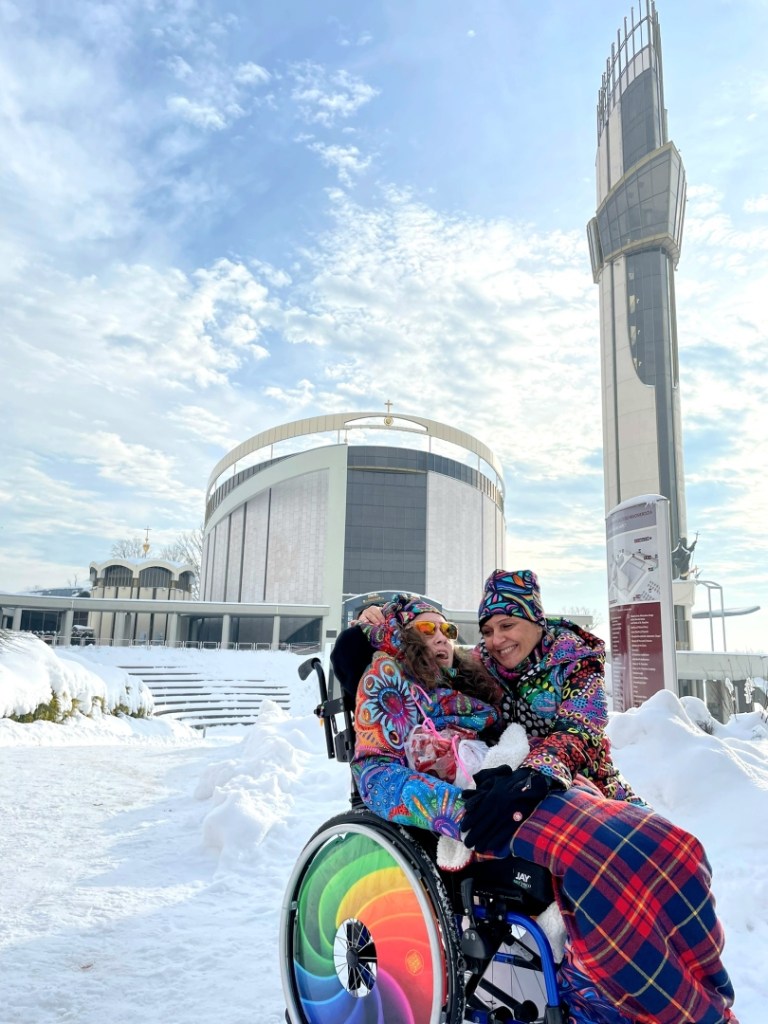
551, 923
452, 854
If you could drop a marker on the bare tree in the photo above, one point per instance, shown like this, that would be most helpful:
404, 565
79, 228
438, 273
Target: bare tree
593, 613
188, 547
128, 547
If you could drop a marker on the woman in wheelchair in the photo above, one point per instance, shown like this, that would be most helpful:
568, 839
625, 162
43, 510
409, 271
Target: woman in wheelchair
643, 940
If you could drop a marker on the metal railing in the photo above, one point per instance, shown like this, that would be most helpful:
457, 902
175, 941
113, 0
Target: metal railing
58, 640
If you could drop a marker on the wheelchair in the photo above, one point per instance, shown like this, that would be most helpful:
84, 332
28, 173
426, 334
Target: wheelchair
372, 932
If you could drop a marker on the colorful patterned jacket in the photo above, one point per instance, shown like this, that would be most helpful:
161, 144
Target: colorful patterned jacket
388, 706
558, 694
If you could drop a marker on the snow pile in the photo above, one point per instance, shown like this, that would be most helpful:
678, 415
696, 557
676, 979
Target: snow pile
149, 879
253, 795
38, 683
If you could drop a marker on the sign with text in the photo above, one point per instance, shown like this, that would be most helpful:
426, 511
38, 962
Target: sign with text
640, 600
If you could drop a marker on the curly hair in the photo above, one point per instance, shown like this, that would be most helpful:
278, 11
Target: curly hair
472, 677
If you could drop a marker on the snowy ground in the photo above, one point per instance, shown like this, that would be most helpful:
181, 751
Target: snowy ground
144, 866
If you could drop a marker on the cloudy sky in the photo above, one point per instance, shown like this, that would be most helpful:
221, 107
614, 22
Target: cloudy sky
220, 215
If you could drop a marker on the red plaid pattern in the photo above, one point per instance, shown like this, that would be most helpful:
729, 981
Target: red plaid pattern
634, 891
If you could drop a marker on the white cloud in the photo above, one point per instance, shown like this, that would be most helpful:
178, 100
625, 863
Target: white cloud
297, 397
325, 97
418, 308
251, 73
180, 68
216, 96
757, 204
200, 422
347, 160
204, 115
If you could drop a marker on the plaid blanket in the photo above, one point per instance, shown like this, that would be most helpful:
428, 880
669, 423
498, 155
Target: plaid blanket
634, 891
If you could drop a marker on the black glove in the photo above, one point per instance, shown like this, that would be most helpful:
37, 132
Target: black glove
504, 798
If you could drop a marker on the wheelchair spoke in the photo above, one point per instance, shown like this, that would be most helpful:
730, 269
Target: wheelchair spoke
354, 956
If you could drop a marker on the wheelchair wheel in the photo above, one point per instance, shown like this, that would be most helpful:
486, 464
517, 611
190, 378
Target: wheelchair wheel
367, 933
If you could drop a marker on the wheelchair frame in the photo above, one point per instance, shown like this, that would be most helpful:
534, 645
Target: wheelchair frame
372, 932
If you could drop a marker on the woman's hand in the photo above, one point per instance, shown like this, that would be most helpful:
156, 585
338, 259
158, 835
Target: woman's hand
371, 616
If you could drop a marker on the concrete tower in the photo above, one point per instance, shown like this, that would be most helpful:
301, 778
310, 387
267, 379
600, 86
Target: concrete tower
634, 242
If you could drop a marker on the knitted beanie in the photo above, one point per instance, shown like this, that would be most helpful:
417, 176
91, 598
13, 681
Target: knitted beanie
512, 593
398, 613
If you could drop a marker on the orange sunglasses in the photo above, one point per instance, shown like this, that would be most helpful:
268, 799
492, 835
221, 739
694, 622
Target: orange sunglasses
428, 628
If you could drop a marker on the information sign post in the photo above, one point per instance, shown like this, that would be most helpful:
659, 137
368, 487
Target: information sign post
640, 600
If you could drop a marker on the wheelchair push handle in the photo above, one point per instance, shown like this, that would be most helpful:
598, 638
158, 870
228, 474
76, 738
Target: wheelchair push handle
323, 711
309, 666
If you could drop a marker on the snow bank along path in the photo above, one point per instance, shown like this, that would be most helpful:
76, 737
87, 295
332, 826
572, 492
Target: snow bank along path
144, 866
143, 881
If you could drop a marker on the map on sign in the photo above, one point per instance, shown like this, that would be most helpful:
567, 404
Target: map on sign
633, 575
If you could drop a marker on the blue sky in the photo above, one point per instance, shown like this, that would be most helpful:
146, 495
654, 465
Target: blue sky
218, 217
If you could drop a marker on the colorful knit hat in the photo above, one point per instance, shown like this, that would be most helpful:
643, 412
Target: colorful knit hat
512, 593
402, 609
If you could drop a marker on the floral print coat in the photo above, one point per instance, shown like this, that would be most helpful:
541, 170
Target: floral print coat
389, 704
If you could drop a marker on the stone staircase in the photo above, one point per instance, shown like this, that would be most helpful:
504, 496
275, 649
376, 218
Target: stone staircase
199, 702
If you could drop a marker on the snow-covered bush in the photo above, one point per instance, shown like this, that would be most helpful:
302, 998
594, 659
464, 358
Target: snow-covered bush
699, 713
37, 683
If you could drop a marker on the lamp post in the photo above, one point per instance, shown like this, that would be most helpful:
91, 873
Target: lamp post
711, 585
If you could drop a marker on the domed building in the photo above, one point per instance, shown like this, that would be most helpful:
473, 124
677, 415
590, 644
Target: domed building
335, 509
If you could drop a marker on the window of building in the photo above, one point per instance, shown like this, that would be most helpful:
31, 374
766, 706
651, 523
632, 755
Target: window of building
251, 629
640, 123
647, 203
385, 544
118, 576
297, 629
155, 576
186, 580
648, 314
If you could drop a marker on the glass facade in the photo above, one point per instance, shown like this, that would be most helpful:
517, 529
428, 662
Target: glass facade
155, 576
297, 629
641, 129
118, 576
186, 581
371, 457
385, 542
251, 629
653, 346
648, 317
647, 203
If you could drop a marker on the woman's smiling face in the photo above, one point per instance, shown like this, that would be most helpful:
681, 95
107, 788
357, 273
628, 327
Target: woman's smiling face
510, 639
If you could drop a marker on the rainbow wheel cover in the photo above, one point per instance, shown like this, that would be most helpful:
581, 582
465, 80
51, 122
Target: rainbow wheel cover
366, 947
